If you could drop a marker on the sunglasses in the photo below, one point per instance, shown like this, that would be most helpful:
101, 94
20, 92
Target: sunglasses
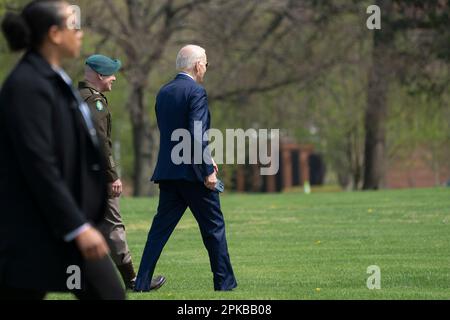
206, 64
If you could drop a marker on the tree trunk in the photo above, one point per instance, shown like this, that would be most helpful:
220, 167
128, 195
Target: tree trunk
145, 142
376, 112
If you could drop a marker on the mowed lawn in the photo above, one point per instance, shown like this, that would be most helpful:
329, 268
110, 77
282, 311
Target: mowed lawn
294, 246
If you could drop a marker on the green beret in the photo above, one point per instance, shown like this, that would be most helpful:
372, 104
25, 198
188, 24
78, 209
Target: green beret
103, 65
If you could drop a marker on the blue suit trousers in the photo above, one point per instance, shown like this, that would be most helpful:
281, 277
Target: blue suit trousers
175, 197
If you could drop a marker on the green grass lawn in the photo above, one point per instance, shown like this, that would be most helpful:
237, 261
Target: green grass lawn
293, 246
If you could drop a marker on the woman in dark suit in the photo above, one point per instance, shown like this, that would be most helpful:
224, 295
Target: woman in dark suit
52, 192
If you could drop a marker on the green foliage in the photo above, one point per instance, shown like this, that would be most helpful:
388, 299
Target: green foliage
328, 54
419, 121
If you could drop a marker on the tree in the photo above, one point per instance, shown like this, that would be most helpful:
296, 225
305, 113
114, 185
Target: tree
141, 30
399, 17
145, 31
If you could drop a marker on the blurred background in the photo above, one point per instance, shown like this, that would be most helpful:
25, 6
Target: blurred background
357, 108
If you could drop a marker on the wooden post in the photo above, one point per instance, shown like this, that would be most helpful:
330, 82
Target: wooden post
240, 179
305, 152
271, 184
287, 167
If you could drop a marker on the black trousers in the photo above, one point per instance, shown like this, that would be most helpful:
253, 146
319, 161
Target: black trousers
101, 283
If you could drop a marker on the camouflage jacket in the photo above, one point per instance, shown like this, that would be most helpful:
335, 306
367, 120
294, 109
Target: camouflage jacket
101, 115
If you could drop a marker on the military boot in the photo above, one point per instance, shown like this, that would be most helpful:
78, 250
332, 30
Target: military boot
128, 275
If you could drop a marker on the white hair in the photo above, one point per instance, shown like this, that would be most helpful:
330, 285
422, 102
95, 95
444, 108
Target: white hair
189, 56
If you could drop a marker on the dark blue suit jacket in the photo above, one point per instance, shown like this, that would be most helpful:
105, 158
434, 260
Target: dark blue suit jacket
178, 105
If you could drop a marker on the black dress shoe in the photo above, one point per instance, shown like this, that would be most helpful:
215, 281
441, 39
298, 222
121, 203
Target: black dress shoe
157, 282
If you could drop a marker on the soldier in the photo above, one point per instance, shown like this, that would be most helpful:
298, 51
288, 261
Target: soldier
99, 77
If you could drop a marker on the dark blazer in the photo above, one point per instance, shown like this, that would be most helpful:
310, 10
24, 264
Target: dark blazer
178, 105
51, 179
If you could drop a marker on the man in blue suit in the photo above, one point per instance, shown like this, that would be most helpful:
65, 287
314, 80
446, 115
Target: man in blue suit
182, 104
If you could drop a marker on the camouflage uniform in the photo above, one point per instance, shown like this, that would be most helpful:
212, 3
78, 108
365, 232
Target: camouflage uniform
112, 228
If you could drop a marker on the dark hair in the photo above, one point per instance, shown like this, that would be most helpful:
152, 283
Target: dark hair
28, 29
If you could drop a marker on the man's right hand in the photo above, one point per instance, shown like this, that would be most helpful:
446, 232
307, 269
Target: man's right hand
116, 188
92, 244
211, 181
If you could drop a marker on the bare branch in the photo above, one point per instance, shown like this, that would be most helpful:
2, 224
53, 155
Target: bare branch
116, 15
